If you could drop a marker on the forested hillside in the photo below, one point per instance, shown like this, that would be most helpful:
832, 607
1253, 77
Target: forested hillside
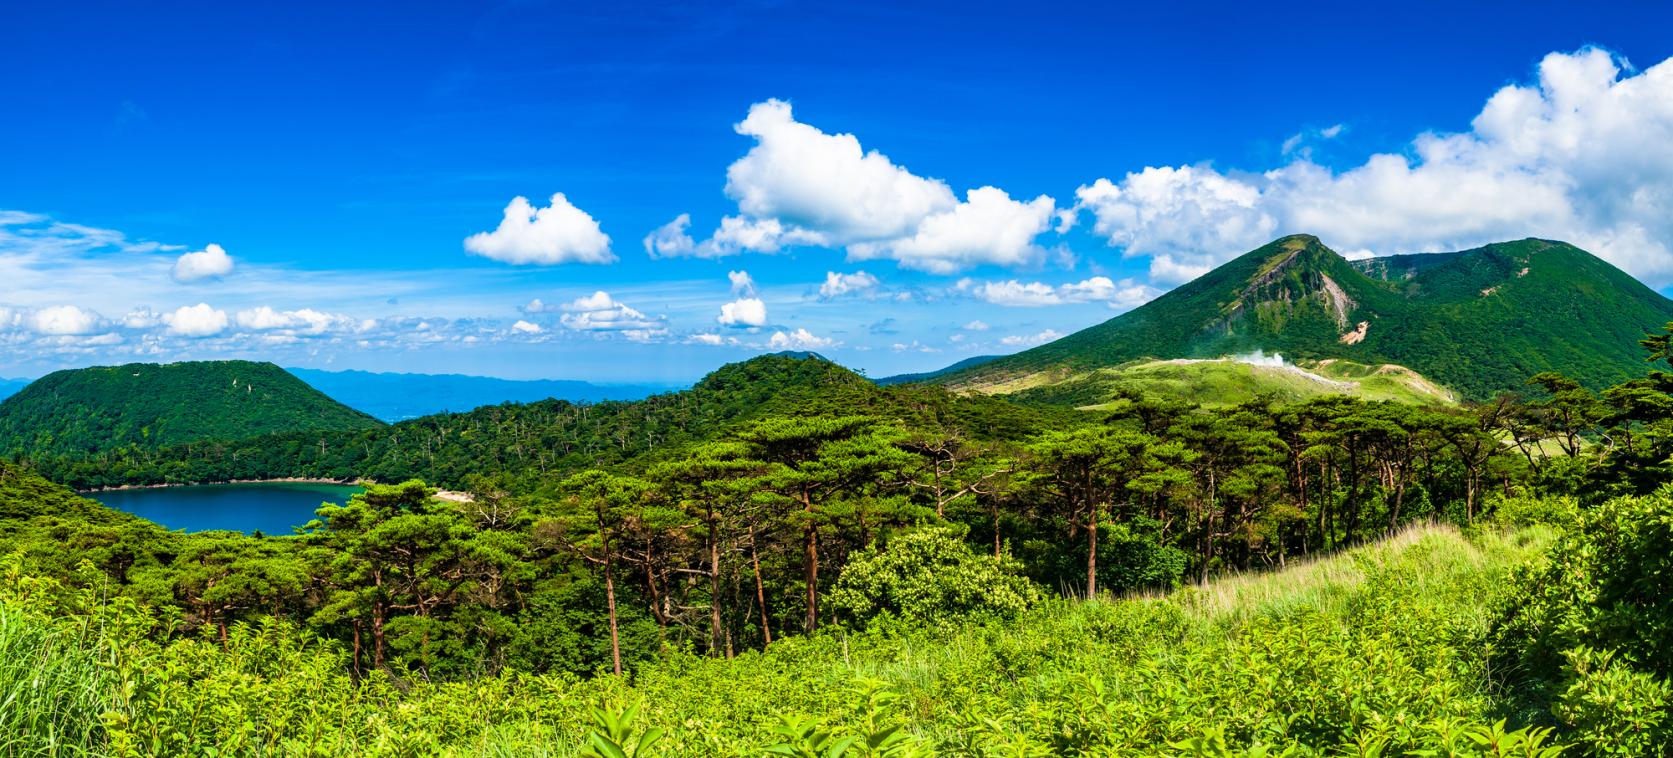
789, 559
147, 406
538, 441
1479, 322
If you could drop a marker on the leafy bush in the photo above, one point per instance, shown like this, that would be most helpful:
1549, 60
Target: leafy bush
1561, 512
1588, 634
931, 576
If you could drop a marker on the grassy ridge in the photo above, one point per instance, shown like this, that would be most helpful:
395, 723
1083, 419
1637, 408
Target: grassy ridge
1222, 383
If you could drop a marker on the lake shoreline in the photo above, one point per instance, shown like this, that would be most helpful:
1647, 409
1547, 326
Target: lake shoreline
286, 480
451, 496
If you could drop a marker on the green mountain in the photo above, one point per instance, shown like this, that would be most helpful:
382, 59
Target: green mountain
151, 406
545, 439
1479, 321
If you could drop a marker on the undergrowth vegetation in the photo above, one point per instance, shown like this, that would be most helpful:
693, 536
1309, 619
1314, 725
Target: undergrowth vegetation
1377, 651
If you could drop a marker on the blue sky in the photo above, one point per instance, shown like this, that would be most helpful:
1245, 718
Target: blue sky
898, 188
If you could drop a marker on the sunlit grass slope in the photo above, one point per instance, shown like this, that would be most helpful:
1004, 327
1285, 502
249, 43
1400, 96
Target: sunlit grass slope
1226, 382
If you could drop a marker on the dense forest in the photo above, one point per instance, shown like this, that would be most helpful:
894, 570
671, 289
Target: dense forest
146, 406
792, 560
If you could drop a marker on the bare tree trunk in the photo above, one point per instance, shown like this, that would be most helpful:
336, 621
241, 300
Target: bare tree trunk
760, 591
714, 588
810, 565
1092, 556
610, 599
810, 574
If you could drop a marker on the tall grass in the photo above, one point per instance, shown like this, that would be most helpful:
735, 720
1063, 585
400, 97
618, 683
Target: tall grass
53, 688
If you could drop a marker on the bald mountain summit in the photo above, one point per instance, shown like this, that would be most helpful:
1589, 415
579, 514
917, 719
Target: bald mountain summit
1479, 321
152, 406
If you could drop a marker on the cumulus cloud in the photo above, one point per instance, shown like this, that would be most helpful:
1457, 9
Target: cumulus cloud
744, 312
199, 320
976, 326
802, 186
142, 318
526, 327
599, 312
1581, 154
304, 321
742, 284
800, 339
558, 233
61, 320
813, 180
212, 262
671, 240
1030, 340
837, 285
1098, 289
709, 339
987, 228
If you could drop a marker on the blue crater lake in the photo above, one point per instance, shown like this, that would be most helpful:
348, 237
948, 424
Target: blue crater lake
271, 507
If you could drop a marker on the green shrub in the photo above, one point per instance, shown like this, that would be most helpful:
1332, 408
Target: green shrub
1612, 709
1588, 634
930, 576
1559, 511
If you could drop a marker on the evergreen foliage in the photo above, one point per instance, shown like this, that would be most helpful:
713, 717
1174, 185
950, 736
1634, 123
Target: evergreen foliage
146, 406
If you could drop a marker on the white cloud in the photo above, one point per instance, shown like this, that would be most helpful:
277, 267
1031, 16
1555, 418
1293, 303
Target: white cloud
742, 284
1584, 154
801, 186
142, 318
744, 312
1169, 213
304, 321
526, 327
976, 326
1299, 144
706, 339
1012, 293
199, 320
813, 180
988, 228
671, 239
1030, 340
738, 235
800, 339
599, 312
858, 283
64, 320
1098, 289
212, 262
558, 233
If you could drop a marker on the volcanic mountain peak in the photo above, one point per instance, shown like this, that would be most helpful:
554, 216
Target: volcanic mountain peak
1480, 321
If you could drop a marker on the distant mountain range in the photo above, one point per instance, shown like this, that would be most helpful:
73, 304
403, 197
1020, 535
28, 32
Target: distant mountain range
150, 406
1479, 322
398, 397
9, 387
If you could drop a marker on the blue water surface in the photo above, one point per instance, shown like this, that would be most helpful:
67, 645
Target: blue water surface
273, 508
